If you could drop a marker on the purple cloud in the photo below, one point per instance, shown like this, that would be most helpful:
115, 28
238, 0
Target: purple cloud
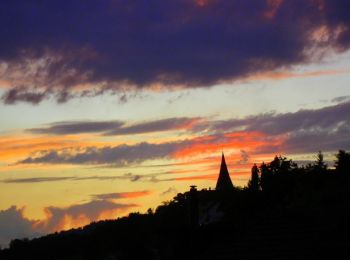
88, 49
116, 127
13, 224
120, 155
65, 128
331, 118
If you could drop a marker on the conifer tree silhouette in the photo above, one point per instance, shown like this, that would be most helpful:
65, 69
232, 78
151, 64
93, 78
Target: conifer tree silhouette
342, 164
264, 176
320, 164
253, 183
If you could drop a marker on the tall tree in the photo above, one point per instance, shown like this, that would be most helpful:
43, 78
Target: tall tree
342, 164
265, 174
253, 183
320, 164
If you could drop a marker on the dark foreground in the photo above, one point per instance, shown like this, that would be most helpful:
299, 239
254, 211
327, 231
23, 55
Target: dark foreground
286, 212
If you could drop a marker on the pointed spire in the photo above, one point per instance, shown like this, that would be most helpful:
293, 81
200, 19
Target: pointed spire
224, 182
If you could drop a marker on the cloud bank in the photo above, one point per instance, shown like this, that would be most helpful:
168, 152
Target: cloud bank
308, 130
326, 129
66, 49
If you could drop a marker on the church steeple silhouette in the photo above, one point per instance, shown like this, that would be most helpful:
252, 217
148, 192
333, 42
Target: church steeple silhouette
224, 182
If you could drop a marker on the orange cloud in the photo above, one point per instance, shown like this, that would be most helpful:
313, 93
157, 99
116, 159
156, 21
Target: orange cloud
281, 75
235, 144
78, 215
212, 166
68, 222
236, 140
13, 147
190, 124
123, 195
195, 161
198, 177
135, 194
213, 176
103, 215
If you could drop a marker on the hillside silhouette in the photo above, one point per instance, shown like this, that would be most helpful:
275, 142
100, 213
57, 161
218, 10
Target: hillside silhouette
287, 211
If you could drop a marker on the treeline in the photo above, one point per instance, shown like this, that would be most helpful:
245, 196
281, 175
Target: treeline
286, 183
288, 209
261, 176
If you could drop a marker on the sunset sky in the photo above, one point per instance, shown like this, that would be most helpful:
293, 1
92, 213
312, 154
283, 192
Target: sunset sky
114, 106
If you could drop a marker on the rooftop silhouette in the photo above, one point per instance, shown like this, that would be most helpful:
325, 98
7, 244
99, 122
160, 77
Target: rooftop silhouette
224, 182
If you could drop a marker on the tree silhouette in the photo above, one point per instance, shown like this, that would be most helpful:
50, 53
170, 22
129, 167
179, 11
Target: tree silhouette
342, 164
265, 176
254, 181
275, 165
320, 164
317, 167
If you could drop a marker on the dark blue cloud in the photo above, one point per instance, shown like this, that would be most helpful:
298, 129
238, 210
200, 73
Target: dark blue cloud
167, 124
120, 155
308, 130
116, 127
327, 119
77, 127
13, 224
113, 43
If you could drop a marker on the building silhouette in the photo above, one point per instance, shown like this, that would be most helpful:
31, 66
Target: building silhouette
224, 182
205, 206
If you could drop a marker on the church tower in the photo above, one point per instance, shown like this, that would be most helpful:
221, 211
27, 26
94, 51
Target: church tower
224, 182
